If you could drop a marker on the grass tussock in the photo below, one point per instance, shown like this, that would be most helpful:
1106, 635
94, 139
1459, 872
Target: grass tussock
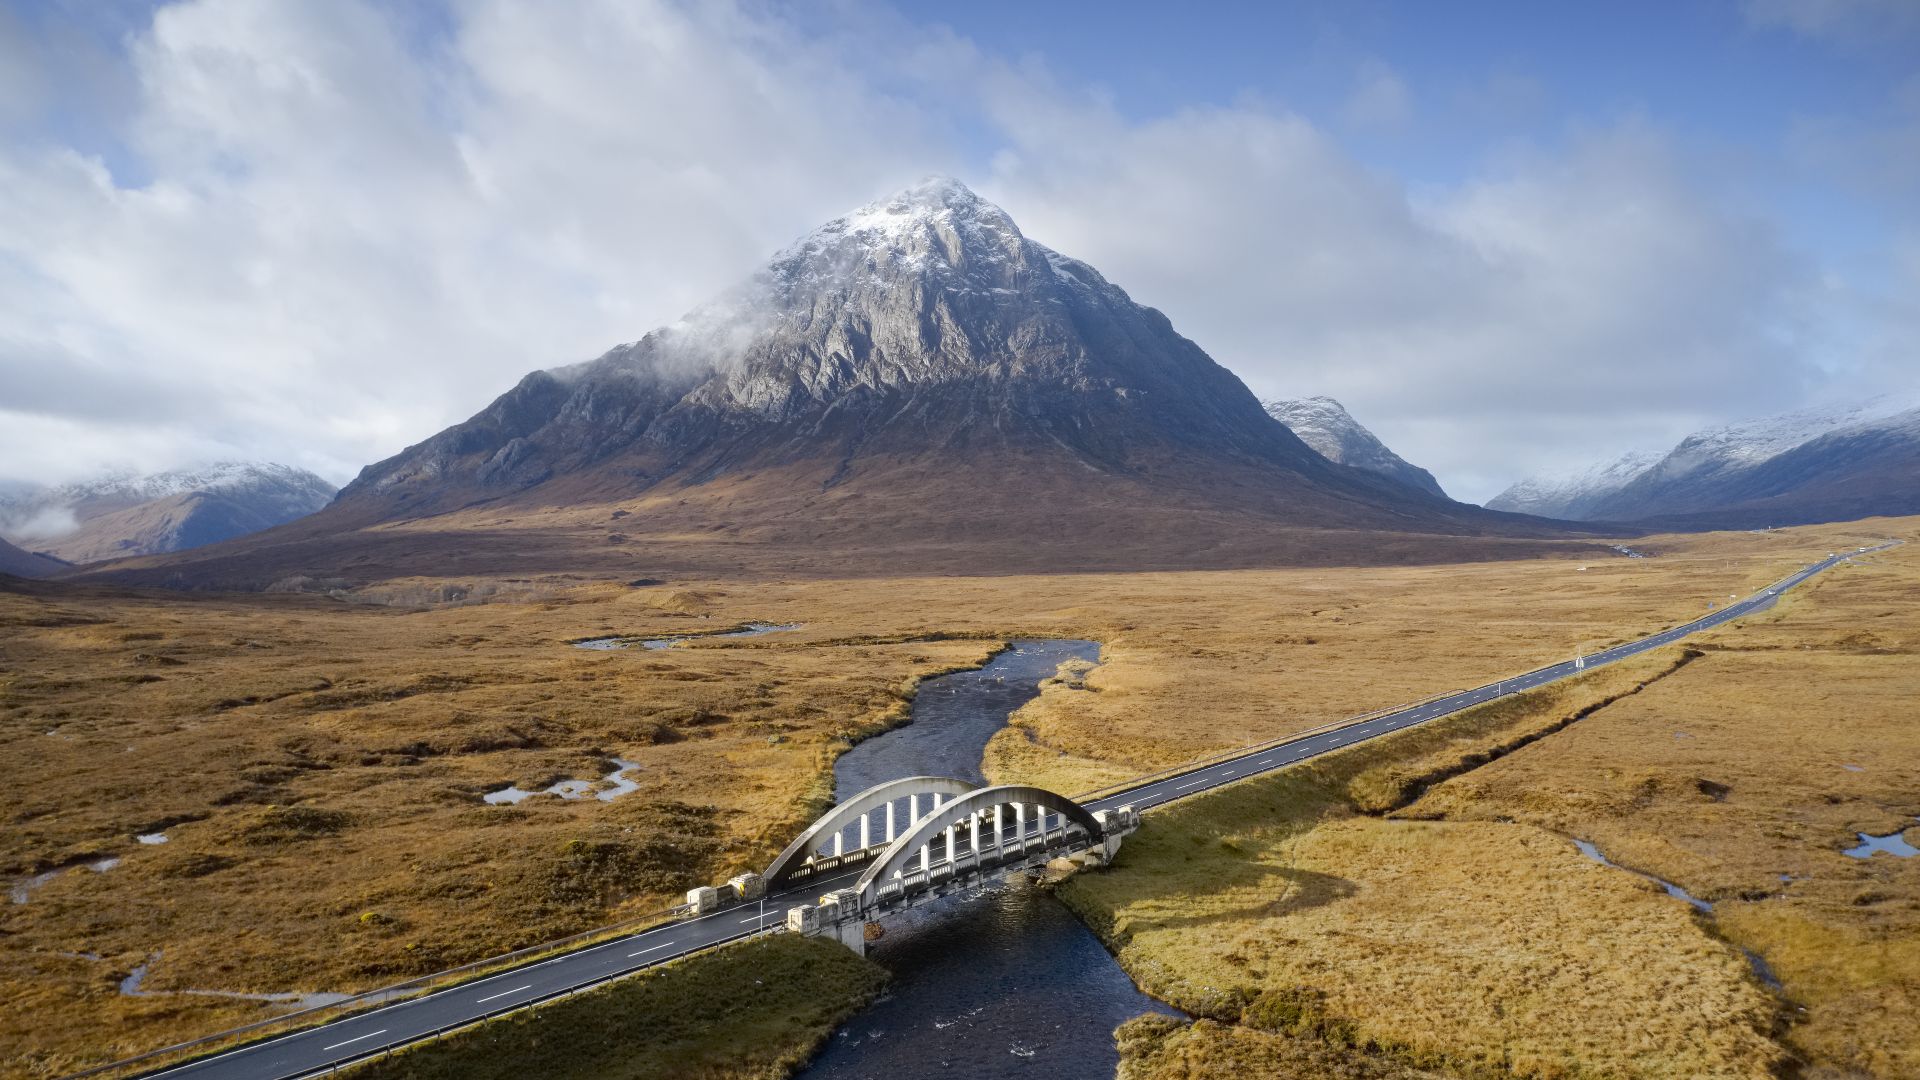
1158, 1047
753, 1011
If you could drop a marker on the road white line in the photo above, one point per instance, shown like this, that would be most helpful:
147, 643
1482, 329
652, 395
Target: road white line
650, 948
756, 918
1268, 761
355, 1039
504, 993
1183, 787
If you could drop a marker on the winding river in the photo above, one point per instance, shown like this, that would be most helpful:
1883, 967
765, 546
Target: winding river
1005, 984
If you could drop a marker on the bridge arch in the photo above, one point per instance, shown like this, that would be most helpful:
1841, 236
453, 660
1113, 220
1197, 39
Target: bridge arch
1032, 807
800, 856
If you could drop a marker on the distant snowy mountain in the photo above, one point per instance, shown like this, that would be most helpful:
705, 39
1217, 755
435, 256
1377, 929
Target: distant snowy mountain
1326, 426
1832, 463
1569, 495
132, 514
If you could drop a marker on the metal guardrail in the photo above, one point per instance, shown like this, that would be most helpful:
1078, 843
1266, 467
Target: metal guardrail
387, 995
1250, 749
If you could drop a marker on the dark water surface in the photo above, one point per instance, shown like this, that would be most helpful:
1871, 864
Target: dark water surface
954, 716
1003, 982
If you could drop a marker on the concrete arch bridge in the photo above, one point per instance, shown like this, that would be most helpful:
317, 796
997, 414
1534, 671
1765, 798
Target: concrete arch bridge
923, 837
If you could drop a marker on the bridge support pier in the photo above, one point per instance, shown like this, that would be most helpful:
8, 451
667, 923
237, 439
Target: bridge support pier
852, 933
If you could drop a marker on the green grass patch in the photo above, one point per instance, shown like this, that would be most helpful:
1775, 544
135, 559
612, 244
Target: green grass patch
758, 1009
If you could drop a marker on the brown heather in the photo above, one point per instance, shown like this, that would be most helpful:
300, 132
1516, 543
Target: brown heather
318, 766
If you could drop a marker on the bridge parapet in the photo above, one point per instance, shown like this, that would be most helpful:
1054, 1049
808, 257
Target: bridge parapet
962, 833
844, 836
1039, 820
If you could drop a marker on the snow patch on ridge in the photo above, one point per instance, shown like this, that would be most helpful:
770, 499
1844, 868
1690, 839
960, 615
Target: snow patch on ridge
1561, 494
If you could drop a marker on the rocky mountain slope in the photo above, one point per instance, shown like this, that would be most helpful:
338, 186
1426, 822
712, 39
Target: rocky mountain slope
22, 563
1869, 468
1832, 463
132, 514
1326, 426
914, 385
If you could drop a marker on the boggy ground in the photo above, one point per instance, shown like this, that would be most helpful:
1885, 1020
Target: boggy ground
318, 765
1415, 907
1744, 780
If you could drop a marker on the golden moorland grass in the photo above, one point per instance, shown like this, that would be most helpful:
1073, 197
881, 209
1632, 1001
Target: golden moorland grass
1744, 779
1279, 906
318, 765
1739, 765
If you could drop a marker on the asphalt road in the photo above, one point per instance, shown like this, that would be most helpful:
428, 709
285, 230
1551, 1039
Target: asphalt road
316, 1050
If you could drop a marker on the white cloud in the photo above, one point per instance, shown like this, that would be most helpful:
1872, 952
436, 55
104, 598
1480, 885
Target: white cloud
1853, 21
1379, 100
1565, 306
346, 245
347, 233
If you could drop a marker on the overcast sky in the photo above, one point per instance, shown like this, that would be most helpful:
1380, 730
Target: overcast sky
1510, 237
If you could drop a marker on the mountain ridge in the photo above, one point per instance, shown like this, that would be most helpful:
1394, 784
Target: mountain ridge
916, 380
1325, 425
1832, 462
129, 513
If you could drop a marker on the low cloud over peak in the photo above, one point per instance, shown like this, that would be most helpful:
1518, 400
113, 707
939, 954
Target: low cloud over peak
317, 234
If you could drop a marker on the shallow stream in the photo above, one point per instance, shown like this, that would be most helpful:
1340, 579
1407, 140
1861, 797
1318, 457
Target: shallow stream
1761, 969
750, 630
1003, 982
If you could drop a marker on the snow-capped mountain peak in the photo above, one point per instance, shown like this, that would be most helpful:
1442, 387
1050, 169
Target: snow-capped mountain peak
130, 513
223, 476
1325, 425
1749, 442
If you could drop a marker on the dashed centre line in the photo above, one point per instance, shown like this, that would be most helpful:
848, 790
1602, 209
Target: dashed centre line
504, 993
355, 1039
